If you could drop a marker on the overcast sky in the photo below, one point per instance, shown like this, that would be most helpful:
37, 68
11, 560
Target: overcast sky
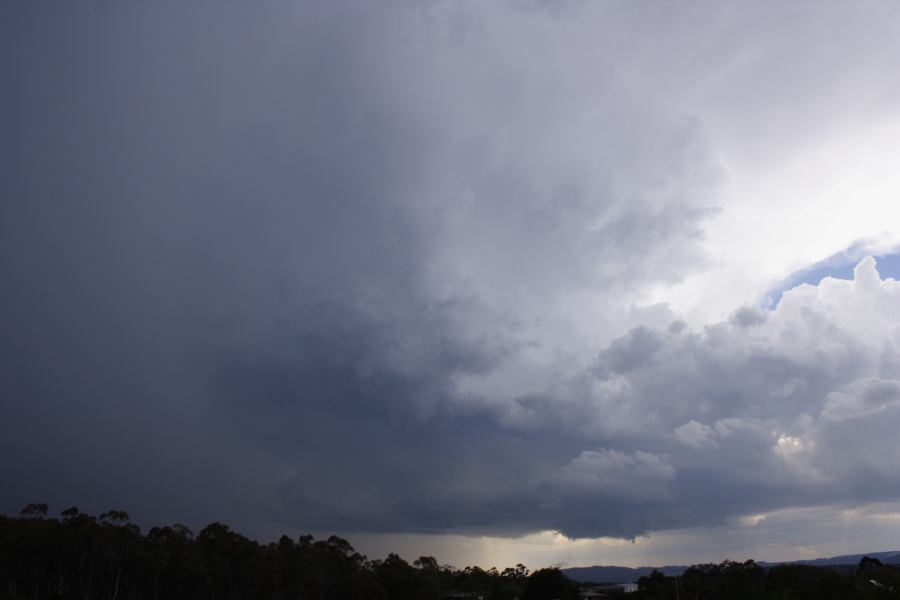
517, 281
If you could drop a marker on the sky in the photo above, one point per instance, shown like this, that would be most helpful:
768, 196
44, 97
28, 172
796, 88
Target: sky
558, 283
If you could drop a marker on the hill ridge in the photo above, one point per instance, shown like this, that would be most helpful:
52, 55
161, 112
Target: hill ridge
617, 574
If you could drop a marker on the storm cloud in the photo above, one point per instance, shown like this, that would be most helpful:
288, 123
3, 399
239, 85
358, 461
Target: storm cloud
391, 267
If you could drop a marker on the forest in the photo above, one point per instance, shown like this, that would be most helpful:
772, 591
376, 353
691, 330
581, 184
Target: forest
80, 556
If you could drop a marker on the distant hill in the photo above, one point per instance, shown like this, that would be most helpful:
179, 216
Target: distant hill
612, 574
892, 557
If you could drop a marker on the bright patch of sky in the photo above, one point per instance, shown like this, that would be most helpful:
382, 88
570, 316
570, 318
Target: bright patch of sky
785, 535
839, 266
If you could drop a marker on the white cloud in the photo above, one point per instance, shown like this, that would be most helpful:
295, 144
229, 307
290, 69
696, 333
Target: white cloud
779, 397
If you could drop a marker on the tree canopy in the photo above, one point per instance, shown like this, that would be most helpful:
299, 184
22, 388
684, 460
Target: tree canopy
82, 557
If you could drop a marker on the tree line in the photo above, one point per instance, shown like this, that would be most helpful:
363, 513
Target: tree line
870, 580
81, 557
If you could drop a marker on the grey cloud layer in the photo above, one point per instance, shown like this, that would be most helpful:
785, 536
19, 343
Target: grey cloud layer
351, 267
795, 408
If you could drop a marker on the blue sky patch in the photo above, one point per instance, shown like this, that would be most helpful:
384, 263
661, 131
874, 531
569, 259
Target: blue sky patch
839, 266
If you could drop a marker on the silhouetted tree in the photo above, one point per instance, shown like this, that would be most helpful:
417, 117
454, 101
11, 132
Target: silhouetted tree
79, 557
545, 584
34, 510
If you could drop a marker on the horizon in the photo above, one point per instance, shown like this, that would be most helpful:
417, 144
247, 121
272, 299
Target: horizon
538, 282
411, 558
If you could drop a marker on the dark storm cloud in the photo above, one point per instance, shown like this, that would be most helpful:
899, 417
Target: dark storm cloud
349, 268
250, 248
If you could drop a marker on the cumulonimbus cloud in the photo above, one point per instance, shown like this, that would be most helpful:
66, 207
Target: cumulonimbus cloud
386, 268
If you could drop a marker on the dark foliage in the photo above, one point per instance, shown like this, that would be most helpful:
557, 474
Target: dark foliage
747, 580
550, 583
86, 558
82, 557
